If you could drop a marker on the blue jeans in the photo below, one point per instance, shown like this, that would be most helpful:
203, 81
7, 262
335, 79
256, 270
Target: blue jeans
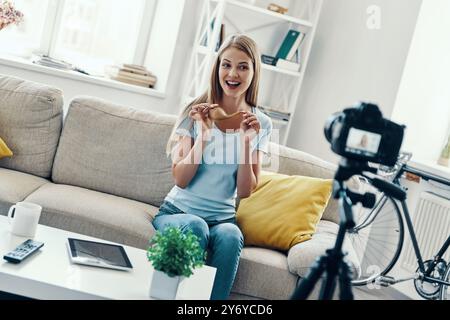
224, 242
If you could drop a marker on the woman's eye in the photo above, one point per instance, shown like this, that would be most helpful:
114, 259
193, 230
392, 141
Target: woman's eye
243, 67
225, 65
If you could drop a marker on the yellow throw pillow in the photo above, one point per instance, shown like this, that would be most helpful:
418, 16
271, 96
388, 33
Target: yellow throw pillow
4, 150
283, 210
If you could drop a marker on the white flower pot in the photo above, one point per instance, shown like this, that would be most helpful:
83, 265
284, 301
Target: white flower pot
164, 287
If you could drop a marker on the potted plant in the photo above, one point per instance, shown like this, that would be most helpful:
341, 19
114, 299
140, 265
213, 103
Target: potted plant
174, 256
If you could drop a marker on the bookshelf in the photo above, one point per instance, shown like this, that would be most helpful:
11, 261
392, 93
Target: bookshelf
280, 87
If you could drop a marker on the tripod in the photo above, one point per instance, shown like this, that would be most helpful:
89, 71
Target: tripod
333, 263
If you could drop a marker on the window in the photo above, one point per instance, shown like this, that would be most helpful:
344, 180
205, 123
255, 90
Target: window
88, 33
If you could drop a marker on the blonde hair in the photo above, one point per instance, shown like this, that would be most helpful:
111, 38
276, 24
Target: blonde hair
215, 92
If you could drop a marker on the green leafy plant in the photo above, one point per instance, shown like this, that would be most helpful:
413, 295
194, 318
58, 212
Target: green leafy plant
175, 253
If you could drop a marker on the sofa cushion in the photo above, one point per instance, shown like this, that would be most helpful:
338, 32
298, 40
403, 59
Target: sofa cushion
264, 273
15, 186
30, 121
283, 210
114, 149
302, 256
290, 161
95, 214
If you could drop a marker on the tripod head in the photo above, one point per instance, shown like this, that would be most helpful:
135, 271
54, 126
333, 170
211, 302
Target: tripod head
347, 169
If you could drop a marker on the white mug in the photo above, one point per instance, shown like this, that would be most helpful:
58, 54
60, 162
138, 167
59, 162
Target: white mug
24, 218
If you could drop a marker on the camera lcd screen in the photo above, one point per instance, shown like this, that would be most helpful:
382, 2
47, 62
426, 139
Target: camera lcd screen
362, 142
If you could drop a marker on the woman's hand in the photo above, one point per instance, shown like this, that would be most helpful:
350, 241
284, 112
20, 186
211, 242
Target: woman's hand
250, 126
200, 112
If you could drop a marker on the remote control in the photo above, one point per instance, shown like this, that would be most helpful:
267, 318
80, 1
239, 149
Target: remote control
23, 251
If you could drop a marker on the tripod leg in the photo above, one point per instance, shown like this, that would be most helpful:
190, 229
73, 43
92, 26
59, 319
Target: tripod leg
307, 284
329, 284
345, 281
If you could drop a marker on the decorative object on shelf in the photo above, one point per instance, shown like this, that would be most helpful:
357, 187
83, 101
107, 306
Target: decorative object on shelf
174, 256
277, 8
132, 74
444, 159
8, 14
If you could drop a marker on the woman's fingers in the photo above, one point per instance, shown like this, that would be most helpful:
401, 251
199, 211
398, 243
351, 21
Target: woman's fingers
250, 119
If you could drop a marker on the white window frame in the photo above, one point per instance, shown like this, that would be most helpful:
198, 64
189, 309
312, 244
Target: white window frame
53, 23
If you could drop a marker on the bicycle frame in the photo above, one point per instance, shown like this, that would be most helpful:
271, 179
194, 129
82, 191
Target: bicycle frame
426, 272
437, 258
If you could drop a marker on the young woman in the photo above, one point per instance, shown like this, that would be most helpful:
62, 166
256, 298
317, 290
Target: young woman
215, 162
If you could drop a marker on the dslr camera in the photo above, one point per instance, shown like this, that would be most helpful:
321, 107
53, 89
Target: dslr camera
361, 133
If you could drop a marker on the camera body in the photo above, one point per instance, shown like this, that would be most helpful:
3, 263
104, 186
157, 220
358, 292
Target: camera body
361, 133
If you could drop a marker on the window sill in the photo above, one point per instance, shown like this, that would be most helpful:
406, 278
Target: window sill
431, 167
21, 63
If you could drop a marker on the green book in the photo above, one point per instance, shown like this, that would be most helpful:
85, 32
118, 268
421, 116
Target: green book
288, 45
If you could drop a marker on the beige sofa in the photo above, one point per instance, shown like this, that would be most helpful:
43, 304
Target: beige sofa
104, 173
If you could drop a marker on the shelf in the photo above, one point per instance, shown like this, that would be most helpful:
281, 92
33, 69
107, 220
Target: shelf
269, 13
282, 84
204, 50
279, 70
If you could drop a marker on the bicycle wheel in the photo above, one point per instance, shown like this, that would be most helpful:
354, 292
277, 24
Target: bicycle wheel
445, 290
377, 239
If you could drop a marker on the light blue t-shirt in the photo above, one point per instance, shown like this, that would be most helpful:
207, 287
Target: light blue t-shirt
212, 192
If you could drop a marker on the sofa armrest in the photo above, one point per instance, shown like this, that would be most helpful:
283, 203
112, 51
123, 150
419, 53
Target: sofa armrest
290, 161
303, 255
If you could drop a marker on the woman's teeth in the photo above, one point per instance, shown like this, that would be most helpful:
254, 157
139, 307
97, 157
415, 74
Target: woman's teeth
233, 83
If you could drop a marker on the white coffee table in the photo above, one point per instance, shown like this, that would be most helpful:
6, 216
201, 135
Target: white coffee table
48, 274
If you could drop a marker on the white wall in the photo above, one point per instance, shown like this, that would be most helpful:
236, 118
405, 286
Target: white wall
349, 62
170, 104
423, 101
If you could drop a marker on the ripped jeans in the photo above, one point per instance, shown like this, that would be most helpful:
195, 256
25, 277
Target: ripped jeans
223, 240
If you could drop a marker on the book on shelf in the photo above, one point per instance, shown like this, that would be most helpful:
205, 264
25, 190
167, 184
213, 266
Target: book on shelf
269, 60
221, 37
290, 45
280, 63
204, 38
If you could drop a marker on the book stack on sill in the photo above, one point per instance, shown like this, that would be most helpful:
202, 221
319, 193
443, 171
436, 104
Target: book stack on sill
276, 114
133, 74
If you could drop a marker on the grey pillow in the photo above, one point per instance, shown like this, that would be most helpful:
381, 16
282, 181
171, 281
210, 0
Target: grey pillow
115, 149
31, 116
